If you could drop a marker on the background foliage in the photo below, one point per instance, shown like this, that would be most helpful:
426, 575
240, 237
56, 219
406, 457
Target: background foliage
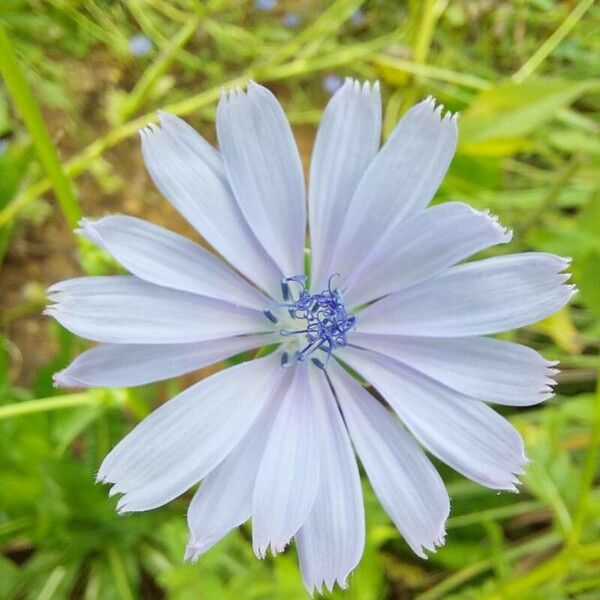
78, 81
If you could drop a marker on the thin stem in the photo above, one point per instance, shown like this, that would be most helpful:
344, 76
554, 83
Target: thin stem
158, 68
553, 41
26, 104
450, 583
502, 512
120, 575
17, 409
588, 474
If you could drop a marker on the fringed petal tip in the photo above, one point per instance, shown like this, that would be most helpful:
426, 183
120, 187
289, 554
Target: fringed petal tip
437, 539
437, 110
505, 233
196, 548
422, 549
261, 549
366, 88
62, 379
87, 229
317, 586
514, 485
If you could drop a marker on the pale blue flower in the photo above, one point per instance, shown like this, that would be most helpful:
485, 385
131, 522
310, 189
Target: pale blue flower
357, 18
332, 83
3, 146
140, 45
291, 20
389, 295
266, 5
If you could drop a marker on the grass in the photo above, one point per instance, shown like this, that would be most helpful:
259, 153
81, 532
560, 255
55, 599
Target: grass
522, 74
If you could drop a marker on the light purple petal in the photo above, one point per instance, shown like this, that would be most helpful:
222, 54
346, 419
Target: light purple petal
331, 541
406, 483
399, 183
477, 298
265, 172
347, 140
165, 258
187, 437
288, 476
126, 365
485, 368
463, 432
224, 499
421, 246
190, 174
127, 310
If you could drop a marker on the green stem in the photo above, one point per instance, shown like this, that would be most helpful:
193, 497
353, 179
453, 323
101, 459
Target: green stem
152, 74
25, 102
588, 474
450, 583
502, 512
91, 397
553, 41
118, 570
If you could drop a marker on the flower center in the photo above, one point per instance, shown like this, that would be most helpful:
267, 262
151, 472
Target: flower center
317, 321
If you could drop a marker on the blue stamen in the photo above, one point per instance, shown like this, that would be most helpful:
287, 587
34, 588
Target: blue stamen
327, 320
270, 316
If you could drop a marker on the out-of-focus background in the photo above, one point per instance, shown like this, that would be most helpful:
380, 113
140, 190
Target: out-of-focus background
80, 77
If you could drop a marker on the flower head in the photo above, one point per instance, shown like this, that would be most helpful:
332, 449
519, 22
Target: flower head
332, 83
291, 20
387, 294
140, 45
266, 5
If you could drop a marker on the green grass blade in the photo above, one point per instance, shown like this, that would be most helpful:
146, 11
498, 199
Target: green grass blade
26, 104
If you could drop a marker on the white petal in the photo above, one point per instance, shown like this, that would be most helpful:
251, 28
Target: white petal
165, 258
288, 476
224, 499
126, 365
399, 182
421, 246
485, 368
265, 172
463, 432
481, 297
190, 173
331, 541
406, 483
347, 140
187, 437
127, 310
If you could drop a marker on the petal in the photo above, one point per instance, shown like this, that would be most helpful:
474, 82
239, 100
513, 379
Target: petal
126, 365
165, 258
347, 140
399, 182
265, 172
288, 476
421, 246
485, 368
127, 310
463, 432
476, 298
331, 541
406, 483
224, 500
190, 173
187, 437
